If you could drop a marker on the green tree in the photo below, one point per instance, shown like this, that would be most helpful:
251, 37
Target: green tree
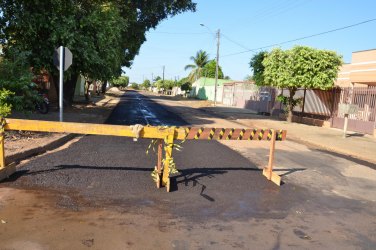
103, 35
185, 84
199, 61
146, 84
300, 67
121, 81
17, 88
258, 68
157, 78
165, 85
210, 68
134, 85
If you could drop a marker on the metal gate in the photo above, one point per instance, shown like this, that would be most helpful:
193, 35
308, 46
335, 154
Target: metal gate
364, 120
228, 95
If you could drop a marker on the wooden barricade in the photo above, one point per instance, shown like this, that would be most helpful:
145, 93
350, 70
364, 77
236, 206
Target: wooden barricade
165, 135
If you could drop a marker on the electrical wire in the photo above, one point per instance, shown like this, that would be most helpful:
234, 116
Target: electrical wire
180, 33
302, 38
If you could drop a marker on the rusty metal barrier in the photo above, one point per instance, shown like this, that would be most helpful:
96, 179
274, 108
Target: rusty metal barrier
165, 135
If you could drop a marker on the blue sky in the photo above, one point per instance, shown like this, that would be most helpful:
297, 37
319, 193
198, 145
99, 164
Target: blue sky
250, 24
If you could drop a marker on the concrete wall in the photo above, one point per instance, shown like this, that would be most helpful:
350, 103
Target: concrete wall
361, 71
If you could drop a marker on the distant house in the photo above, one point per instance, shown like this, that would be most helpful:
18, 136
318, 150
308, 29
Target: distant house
204, 89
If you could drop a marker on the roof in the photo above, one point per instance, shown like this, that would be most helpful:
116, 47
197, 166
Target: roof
206, 81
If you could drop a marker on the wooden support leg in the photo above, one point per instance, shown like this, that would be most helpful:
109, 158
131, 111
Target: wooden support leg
159, 163
5, 171
2, 153
268, 171
169, 142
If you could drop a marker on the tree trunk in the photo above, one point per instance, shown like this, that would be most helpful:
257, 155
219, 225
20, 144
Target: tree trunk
290, 104
69, 87
104, 87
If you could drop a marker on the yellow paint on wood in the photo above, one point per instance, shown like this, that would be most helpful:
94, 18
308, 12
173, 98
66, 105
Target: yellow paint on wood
2, 152
169, 142
83, 128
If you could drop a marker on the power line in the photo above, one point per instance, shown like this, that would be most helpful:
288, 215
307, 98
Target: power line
302, 38
285, 7
180, 33
229, 39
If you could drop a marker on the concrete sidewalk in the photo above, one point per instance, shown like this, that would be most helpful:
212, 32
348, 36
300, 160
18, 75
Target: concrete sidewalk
359, 146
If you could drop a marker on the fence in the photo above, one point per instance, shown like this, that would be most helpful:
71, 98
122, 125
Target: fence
248, 95
364, 120
316, 107
165, 135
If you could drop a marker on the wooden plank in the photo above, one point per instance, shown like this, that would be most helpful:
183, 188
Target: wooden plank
2, 152
119, 130
274, 177
83, 128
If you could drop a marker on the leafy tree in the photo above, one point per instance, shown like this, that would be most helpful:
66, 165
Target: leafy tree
17, 89
146, 84
121, 81
210, 68
300, 67
166, 84
182, 81
5, 106
187, 86
157, 78
135, 85
258, 68
200, 60
103, 35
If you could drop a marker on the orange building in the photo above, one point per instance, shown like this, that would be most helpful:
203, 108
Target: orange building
361, 72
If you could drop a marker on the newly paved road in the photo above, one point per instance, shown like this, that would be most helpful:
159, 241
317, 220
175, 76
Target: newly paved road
214, 181
220, 199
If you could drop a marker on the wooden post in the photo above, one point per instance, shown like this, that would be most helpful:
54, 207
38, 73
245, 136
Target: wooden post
271, 155
159, 163
2, 152
169, 142
268, 171
5, 171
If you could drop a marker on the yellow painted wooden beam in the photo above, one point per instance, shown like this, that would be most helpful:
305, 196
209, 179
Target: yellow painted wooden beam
2, 151
83, 128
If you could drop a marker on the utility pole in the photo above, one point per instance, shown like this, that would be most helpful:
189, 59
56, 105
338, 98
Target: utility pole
163, 74
216, 68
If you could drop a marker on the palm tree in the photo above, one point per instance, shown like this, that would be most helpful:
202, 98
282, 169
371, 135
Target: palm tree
200, 60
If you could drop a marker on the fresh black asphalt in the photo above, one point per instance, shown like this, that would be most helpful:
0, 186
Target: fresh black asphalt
99, 171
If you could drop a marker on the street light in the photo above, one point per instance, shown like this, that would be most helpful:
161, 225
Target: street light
218, 35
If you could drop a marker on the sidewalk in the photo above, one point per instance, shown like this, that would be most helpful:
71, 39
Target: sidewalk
21, 145
356, 145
